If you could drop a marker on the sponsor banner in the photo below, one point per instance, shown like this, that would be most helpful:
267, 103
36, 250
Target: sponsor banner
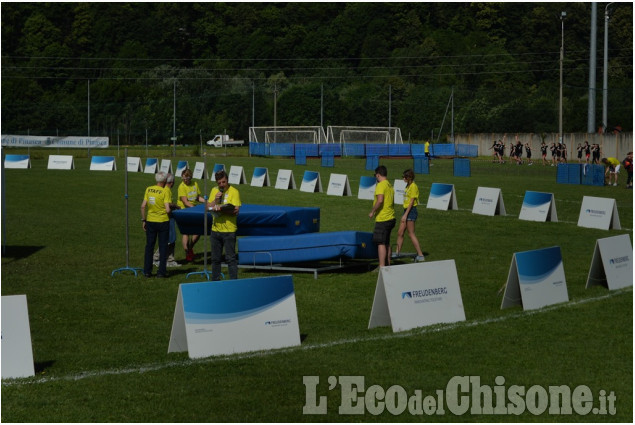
61, 162
311, 182
103, 163
54, 142
133, 164
199, 171
612, 263
166, 166
489, 201
420, 294
17, 352
536, 279
236, 175
339, 185
152, 166
260, 177
400, 191
367, 186
285, 180
442, 197
180, 167
217, 168
538, 206
236, 316
599, 213
17, 161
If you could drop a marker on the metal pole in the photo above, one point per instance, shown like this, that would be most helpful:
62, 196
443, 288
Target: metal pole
174, 120
452, 124
562, 16
592, 65
88, 108
605, 80
389, 105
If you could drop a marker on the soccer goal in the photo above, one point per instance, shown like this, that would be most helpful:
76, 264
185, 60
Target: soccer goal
352, 134
287, 134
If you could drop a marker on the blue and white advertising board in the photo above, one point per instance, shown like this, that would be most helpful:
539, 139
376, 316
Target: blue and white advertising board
339, 185
133, 164
199, 171
17, 352
599, 213
152, 165
17, 161
236, 175
400, 191
442, 197
536, 279
166, 166
260, 177
419, 294
311, 182
103, 163
612, 263
285, 180
489, 201
217, 168
235, 316
367, 186
180, 167
538, 206
61, 162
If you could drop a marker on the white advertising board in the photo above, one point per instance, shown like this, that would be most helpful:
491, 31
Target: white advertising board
17, 352
235, 316
133, 164
311, 182
180, 167
538, 206
285, 180
419, 294
260, 177
339, 185
17, 161
536, 279
489, 201
599, 213
367, 186
236, 175
152, 165
199, 171
442, 197
103, 163
61, 162
166, 166
612, 263
400, 191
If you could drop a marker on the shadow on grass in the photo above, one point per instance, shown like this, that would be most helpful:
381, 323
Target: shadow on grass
14, 252
41, 367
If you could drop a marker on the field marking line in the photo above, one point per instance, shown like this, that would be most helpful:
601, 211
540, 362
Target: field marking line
405, 334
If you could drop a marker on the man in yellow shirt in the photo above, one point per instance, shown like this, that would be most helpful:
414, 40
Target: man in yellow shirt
224, 201
156, 223
612, 168
385, 221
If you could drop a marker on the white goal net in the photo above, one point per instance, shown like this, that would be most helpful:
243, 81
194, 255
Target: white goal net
352, 134
287, 134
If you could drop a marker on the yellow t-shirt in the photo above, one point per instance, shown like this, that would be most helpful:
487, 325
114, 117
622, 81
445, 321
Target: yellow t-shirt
412, 192
387, 211
613, 161
156, 197
191, 192
426, 147
226, 223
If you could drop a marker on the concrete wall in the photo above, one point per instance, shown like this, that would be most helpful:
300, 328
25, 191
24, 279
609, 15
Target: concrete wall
611, 145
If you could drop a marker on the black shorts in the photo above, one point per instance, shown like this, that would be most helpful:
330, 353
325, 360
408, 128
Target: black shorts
381, 235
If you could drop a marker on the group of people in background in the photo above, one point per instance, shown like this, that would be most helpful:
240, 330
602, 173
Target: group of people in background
158, 224
515, 152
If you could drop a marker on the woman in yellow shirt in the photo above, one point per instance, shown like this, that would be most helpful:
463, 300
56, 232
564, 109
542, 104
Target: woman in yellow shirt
410, 213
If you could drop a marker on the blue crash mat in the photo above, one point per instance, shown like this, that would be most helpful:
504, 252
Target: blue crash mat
308, 247
254, 220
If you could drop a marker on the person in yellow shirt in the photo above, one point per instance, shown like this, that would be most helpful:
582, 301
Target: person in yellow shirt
189, 195
383, 206
410, 214
224, 201
155, 208
612, 169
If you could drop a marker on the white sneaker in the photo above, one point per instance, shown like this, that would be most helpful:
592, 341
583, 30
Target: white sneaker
614, 184
420, 258
395, 255
172, 264
156, 263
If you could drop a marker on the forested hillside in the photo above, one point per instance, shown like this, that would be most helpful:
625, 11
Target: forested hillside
225, 64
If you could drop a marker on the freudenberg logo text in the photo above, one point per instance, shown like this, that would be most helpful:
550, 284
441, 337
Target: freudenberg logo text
425, 295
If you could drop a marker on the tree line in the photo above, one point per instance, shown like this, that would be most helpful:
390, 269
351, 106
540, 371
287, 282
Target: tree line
124, 68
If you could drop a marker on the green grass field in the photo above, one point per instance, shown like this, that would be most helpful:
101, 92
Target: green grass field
100, 342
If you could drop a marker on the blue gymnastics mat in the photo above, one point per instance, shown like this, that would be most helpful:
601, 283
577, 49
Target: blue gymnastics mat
308, 247
255, 220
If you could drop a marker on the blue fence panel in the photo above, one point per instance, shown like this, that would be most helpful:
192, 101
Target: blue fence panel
592, 174
421, 165
372, 162
467, 150
310, 149
300, 156
418, 150
442, 149
575, 173
258, 149
353, 149
281, 149
399, 150
334, 149
562, 173
462, 167
328, 160
374, 149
